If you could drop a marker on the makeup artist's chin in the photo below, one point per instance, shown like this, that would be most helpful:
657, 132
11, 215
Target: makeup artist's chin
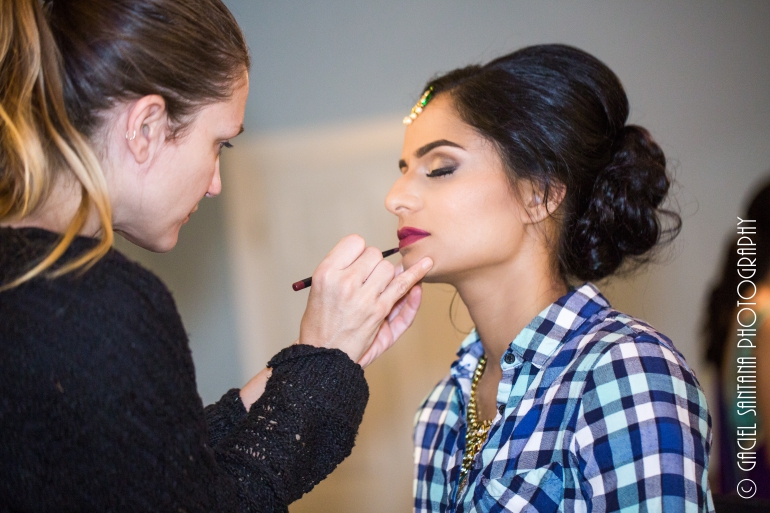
159, 243
167, 242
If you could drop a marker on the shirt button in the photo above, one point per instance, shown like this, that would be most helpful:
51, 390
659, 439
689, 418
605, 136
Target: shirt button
501, 409
509, 358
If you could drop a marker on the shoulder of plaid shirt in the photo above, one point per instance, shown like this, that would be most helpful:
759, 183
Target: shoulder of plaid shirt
597, 411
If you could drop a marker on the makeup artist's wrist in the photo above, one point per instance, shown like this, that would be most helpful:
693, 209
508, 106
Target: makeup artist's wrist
254, 389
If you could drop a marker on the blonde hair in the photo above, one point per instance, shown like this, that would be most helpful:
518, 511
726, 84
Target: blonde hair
64, 65
37, 141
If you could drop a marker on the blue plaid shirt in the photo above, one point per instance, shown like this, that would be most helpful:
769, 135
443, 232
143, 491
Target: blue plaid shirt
597, 411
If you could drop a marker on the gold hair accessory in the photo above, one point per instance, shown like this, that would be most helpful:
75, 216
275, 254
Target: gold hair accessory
419, 106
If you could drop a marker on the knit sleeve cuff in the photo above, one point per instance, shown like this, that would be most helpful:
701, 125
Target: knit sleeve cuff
302, 350
224, 415
329, 373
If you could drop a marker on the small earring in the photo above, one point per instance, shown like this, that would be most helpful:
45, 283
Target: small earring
133, 136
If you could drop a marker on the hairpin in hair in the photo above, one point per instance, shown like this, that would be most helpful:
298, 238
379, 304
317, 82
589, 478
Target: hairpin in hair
419, 106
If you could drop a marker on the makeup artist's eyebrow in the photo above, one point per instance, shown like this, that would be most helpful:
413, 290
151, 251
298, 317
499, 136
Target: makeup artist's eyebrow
240, 131
430, 146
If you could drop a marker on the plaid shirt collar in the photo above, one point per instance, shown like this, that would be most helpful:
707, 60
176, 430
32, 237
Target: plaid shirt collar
540, 339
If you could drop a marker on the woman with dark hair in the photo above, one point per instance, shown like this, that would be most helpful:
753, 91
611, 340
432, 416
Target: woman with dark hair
113, 114
721, 329
519, 179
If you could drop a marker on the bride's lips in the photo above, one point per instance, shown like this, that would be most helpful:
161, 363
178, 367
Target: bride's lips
408, 235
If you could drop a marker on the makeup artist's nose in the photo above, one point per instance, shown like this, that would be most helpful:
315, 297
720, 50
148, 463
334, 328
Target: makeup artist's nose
215, 187
402, 197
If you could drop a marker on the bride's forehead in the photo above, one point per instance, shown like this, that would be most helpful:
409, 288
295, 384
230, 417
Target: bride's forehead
453, 130
439, 120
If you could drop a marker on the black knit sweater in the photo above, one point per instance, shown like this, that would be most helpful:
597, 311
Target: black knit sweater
99, 409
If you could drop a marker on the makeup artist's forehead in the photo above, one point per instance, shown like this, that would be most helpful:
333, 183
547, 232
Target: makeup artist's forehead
224, 118
438, 121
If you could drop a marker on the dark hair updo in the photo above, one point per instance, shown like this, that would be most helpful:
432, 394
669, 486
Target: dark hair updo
558, 118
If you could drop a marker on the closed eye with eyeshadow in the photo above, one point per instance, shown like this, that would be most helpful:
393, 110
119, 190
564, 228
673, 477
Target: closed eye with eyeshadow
441, 164
442, 171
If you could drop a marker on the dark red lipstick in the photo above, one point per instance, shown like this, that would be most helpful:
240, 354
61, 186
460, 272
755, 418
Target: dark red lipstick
408, 235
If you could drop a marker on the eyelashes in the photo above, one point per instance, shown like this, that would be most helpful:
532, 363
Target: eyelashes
225, 144
442, 171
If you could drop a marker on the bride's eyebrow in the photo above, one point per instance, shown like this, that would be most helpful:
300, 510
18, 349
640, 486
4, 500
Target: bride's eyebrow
435, 144
430, 146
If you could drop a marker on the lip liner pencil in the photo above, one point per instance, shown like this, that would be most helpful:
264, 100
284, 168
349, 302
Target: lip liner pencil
303, 284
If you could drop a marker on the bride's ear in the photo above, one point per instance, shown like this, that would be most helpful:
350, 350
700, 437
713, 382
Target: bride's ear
541, 201
146, 127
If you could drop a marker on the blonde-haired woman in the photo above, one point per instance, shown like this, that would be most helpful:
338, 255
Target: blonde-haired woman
112, 117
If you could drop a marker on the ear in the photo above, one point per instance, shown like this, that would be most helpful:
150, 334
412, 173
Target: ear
146, 127
540, 202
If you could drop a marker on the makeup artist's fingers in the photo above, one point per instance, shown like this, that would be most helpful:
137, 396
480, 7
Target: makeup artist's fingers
353, 295
341, 313
399, 320
402, 283
362, 268
403, 311
347, 251
382, 274
407, 307
407, 311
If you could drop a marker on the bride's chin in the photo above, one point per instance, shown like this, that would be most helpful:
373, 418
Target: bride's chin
435, 275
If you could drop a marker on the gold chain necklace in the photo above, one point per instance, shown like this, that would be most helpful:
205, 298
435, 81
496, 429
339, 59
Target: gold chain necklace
476, 430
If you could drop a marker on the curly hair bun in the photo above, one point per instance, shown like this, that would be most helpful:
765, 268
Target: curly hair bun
623, 217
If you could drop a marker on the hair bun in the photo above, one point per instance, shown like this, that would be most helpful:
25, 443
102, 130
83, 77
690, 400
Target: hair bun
623, 217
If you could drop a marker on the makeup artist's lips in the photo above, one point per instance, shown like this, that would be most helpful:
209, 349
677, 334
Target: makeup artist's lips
408, 235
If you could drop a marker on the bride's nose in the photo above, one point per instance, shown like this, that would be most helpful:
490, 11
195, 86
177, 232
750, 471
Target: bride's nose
404, 196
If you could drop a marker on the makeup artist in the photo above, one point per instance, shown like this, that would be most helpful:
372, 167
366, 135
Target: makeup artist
113, 114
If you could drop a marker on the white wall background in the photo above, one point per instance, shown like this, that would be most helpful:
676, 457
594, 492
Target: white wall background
697, 75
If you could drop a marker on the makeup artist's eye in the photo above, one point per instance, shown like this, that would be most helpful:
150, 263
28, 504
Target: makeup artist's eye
225, 144
448, 170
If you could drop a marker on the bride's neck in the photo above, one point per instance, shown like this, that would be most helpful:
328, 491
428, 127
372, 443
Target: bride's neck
503, 300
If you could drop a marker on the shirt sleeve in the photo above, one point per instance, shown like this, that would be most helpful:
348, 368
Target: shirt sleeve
643, 435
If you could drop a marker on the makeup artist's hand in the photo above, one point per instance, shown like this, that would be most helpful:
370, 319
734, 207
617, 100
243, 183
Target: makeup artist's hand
398, 321
357, 297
